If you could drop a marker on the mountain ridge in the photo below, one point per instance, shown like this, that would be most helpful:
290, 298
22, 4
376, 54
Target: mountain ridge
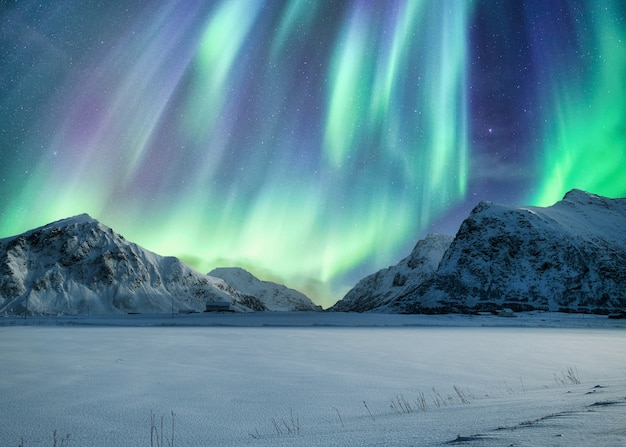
78, 265
276, 297
570, 256
381, 288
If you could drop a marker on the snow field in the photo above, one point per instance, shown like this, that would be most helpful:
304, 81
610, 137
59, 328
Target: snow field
311, 386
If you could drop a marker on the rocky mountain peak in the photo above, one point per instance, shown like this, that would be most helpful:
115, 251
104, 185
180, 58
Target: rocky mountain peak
78, 265
570, 256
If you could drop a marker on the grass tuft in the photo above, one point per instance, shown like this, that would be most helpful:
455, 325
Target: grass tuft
339, 415
400, 405
568, 377
157, 433
369, 411
290, 426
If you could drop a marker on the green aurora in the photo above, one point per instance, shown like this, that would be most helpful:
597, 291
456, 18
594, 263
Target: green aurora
309, 142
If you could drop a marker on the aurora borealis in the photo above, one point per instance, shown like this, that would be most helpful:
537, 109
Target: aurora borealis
310, 142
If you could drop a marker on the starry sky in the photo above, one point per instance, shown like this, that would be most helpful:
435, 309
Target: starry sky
310, 142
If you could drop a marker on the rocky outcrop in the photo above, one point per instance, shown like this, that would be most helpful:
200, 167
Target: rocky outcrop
79, 266
568, 257
376, 291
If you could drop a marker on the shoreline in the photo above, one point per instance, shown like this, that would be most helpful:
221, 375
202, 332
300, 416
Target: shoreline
534, 319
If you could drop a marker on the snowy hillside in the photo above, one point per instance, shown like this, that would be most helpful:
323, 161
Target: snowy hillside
384, 286
79, 266
274, 296
570, 256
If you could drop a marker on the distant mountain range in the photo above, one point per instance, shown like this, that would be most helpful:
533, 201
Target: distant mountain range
567, 257
275, 297
78, 266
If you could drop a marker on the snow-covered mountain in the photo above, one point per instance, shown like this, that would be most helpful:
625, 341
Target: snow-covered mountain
276, 297
570, 256
79, 266
377, 290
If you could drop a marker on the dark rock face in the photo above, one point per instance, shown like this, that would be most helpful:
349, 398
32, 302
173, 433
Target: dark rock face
567, 257
79, 266
376, 291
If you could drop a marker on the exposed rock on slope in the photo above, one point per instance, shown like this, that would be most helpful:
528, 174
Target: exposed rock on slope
570, 256
386, 285
274, 296
79, 266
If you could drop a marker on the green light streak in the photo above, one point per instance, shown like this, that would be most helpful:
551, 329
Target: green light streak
448, 108
349, 87
220, 44
390, 68
585, 134
297, 18
199, 148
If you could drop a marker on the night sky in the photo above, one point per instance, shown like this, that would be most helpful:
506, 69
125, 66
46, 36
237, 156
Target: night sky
310, 142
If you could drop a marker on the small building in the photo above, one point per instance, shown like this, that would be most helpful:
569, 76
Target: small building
506, 312
218, 306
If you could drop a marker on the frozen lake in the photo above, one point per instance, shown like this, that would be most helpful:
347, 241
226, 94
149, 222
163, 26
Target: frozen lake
312, 385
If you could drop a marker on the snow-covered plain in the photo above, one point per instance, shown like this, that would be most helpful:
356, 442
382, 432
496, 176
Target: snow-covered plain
313, 380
